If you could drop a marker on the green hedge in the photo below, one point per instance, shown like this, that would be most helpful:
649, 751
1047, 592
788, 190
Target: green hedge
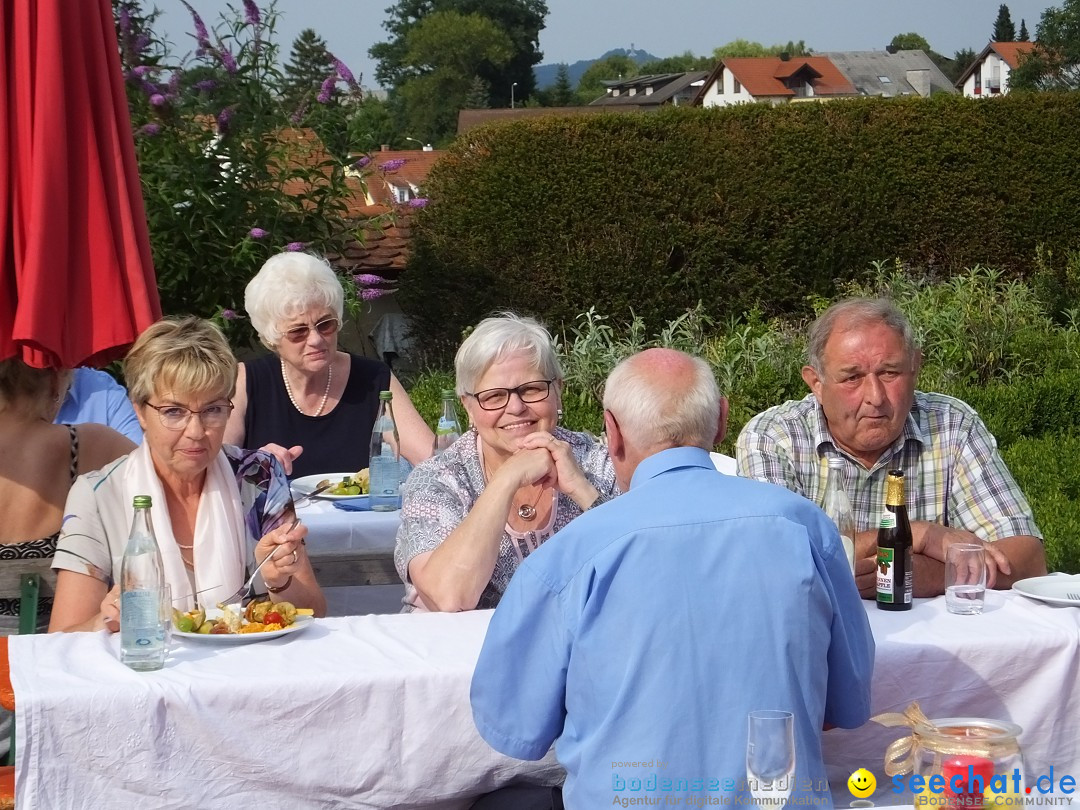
1047, 472
736, 207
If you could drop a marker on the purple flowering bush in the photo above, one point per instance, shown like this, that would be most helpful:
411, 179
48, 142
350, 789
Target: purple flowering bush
230, 172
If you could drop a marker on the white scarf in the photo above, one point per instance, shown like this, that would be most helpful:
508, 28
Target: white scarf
220, 549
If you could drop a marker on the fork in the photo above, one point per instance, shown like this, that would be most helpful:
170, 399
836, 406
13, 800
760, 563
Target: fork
243, 589
303, 499
1073, 596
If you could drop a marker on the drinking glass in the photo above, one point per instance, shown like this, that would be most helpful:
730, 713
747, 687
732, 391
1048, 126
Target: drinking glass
965, 578
770, 757
165, 609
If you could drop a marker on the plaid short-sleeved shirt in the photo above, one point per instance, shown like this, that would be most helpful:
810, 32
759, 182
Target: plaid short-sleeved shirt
953, 473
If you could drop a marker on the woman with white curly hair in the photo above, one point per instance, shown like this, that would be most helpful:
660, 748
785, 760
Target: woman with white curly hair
308, 396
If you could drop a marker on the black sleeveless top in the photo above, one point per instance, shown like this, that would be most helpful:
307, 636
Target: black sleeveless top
37, 549
333, 442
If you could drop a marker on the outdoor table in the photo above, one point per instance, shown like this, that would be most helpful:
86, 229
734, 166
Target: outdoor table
350, 548
363, 711
373, 711
1019, 661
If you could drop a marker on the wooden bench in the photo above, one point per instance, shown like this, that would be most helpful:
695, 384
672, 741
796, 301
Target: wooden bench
346, 568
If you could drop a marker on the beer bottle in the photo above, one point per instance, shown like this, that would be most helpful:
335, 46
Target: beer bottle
894, 548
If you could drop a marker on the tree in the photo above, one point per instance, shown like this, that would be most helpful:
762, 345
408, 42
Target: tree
229, 176
1023, 35
617, 66
370, 125
1004, 30
1054, 63
744, 47
520, 20
479, 97
561, 93
962, 60
445, 54
310, 63
677, 64
910, 42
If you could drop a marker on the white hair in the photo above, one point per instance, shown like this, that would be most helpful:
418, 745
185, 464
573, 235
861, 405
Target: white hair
499, 337
652, 412
286, 285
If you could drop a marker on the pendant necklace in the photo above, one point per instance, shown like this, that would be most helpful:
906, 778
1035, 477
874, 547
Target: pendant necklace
326, 393
526, 512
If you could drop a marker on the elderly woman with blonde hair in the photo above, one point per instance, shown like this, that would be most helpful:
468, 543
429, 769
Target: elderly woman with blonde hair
470, 515
310, 402
211, 503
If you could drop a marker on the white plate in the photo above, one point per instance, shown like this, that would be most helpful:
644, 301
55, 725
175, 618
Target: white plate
1051, 589
302, 486
299, 623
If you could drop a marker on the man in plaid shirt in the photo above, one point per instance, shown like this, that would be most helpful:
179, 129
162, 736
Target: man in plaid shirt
862, 367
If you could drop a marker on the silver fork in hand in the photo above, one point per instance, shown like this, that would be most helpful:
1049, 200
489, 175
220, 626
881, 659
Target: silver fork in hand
243, 589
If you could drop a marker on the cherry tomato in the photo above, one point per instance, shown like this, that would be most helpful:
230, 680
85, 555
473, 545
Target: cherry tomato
273, 617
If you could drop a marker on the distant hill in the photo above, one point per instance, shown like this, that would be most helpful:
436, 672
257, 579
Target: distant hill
545, 74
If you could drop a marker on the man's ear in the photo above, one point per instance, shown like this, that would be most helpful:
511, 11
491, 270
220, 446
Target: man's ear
721, 422
615, 443
813, 380
916, 362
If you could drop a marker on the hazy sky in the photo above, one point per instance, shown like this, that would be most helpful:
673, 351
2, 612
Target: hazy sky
584, 29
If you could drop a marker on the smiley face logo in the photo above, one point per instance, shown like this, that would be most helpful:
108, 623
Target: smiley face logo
861, 783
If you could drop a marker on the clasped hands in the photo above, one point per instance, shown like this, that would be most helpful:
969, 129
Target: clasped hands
545, 460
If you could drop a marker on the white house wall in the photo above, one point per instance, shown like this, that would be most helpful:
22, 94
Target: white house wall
987, 71
714, 99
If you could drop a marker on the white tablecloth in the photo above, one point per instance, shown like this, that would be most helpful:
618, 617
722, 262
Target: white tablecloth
331, 529
365, 712
1019, 661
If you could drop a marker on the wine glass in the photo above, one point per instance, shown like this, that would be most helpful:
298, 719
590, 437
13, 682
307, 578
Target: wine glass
770, 757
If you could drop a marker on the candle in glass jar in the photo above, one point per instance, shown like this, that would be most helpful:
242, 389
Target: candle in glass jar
968, 768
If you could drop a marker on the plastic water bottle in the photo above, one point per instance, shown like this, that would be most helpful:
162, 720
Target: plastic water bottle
837, 506
448, 430
142, 580
384, 458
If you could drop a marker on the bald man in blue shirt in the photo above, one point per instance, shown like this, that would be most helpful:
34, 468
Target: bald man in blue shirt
640, 637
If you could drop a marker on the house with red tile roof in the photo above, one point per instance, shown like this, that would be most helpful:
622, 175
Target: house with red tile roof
988, 75
775, 79
396, 176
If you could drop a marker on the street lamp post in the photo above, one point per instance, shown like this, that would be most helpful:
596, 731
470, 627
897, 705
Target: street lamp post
512, 86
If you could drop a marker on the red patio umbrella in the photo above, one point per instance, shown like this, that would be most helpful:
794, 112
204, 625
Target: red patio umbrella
76, 280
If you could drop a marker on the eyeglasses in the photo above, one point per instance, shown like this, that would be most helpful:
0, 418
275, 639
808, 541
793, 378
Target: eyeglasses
175, 417
325, 327
492, 399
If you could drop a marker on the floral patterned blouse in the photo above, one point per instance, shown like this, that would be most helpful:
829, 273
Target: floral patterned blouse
440, 492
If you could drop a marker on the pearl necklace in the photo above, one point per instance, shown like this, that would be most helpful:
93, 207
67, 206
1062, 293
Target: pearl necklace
326, 393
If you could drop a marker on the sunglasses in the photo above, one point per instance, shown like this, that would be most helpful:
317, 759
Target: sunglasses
325, 327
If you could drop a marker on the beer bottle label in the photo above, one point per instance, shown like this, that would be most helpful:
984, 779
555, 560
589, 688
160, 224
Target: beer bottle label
888, 519
886, 582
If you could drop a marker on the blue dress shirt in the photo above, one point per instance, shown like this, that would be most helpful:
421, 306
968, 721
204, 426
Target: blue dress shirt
640, 636
94, 396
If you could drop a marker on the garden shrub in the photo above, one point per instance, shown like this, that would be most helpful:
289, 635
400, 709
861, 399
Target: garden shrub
737, 207
1047, 472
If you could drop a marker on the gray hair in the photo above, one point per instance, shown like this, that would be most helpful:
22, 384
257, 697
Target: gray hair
497, 338
852, 313
286, 285
653, 413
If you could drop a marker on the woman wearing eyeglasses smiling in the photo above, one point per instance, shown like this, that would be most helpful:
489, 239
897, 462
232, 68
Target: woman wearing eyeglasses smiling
470, 515
307, 396
211, 502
